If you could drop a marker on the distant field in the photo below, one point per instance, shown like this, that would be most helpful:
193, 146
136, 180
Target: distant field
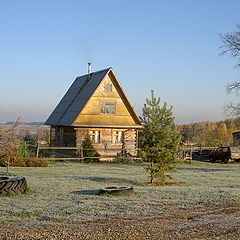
65, 192
27, 128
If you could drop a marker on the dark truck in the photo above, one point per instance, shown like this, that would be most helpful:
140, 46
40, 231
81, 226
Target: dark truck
225, 154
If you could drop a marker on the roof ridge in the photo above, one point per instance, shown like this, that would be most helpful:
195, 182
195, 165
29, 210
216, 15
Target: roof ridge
95, 72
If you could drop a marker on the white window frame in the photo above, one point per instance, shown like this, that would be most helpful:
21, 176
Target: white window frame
107, 107
95, 136
117, 137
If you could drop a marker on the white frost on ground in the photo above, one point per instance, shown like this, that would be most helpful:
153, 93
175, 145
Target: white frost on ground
67, 192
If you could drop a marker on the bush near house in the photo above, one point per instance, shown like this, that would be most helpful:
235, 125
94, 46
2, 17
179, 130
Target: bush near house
16, 152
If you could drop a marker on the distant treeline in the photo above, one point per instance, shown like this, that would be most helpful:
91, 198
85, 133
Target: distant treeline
210, 133
25, 123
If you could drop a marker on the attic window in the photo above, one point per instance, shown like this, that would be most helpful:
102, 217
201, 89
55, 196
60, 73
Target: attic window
107, 108
108, 87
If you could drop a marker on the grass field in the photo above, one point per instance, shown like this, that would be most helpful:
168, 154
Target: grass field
66, 191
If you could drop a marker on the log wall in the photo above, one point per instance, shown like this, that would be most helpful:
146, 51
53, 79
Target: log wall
106, 146
130, 141
69, 136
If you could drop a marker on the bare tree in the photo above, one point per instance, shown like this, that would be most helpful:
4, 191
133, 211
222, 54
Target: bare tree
9, 145
231, 46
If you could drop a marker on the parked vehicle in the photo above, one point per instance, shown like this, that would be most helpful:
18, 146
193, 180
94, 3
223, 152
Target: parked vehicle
202, 155
225, 154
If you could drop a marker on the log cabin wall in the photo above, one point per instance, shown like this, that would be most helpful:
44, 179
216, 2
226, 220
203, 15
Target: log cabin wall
69, 136
130, 141
81, 133
105, 146
109, 141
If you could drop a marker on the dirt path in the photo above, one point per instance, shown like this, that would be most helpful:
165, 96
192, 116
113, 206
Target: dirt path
185, 223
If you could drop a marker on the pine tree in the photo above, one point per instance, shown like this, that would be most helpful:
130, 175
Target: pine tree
89, 153
160, 139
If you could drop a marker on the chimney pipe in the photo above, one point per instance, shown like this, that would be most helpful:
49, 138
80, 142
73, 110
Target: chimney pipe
89, 68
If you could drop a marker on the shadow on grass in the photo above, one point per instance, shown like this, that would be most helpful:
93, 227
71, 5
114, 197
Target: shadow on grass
86, 192
229, 186
206, 169
100, 179
97, 192
112, 180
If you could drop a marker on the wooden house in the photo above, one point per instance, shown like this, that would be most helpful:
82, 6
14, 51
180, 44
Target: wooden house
96, 105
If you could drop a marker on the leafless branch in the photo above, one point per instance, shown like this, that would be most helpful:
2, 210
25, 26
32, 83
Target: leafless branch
17, 123
233, 88
232, 109
231, 44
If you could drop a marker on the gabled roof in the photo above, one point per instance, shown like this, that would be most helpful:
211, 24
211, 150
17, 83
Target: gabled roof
78, 95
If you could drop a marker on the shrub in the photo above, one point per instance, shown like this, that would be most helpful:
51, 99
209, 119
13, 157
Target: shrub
22, 162
36, 162
89, 153
15, 152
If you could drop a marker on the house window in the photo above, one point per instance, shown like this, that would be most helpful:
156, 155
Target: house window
53, 134
107, 107
94, 136
118, 137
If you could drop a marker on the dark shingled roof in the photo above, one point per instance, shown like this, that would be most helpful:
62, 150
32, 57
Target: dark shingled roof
76, 98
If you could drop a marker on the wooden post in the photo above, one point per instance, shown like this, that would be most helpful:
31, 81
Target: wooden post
123, 154
190, 154
200, 152
37, 151
81, 154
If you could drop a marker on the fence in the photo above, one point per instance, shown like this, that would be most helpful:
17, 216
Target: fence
195, 152
74, 153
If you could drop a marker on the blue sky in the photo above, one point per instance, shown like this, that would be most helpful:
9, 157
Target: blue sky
169, 46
